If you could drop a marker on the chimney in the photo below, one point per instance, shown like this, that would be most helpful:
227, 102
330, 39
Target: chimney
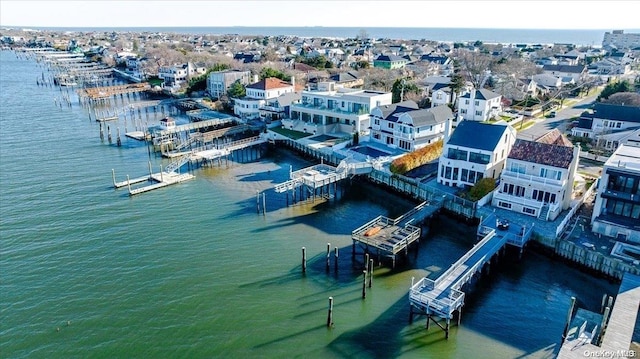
255, 79
447, 130
293, 82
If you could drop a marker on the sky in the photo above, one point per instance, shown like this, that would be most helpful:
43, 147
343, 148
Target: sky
514, 14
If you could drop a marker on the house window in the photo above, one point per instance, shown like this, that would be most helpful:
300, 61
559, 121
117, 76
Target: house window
529, 210
480, 158
520, 191
618, 125
477, 103
478, 113
465, 175
463, 111
376, 122
391, 125
447, 172
506, 205
518, 168
466, 102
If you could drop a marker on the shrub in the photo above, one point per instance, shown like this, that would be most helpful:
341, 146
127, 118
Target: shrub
411, 160
481, 188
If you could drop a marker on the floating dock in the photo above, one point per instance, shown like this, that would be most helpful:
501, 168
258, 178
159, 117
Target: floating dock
158, 180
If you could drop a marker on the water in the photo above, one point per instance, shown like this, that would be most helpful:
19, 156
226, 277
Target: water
193, 271
582, 37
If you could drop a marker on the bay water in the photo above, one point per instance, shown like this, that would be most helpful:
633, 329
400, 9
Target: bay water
193, 271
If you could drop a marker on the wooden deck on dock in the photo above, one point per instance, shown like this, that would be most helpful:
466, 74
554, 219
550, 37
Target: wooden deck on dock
95, 93
618, 333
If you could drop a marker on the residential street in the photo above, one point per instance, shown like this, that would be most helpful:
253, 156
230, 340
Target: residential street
543, 125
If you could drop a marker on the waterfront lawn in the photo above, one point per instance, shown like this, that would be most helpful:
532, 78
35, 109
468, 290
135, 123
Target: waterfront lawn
295, 135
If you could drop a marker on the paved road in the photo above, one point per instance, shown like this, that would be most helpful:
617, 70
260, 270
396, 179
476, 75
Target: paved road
560, 121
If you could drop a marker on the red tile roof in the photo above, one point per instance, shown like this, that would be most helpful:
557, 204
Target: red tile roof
269, 84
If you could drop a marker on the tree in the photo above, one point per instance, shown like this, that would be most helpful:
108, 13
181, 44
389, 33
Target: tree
267, 72
456, 85
401, 87
360, 65
474, 66
610, 89
236, 90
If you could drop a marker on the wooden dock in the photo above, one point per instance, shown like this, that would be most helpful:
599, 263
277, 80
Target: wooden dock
617, 336
443, 297
97, 93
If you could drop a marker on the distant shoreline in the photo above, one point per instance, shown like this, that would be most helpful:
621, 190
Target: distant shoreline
582, 37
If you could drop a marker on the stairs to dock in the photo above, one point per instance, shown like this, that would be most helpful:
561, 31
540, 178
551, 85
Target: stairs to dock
175, 165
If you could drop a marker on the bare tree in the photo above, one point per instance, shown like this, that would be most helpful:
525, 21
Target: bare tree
473, 66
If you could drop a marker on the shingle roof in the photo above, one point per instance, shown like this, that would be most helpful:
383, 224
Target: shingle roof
555, 137
609, 111
390, 58
269, 84
472, 134
484, 94
388, 110
576, 69
542, 153
432, 116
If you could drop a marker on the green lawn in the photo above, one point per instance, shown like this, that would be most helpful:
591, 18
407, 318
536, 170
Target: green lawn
290, 133
526, 125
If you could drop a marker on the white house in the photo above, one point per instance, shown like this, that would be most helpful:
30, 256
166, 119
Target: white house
547, 80
479, 105
606, 119
331, 109
403, 125
616, 212
575, 72
475, 150
538, 178
176, 75
248, 107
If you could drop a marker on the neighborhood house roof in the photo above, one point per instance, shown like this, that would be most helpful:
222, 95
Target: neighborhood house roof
473, 134
400, 107
609, 111
270, 83
576, 69
542, 153
554, 137
431, 116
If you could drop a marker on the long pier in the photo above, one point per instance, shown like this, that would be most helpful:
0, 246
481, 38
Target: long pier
443, 297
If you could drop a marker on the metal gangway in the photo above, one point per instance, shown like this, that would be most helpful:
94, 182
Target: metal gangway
316, 176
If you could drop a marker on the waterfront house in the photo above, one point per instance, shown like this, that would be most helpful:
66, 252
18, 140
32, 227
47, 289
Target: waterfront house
607, 119
479, 105
616, 212
219, 82
177, 75
538, 177
403, 125
278, 108
475, 150
331, 109
257, 94
389, 62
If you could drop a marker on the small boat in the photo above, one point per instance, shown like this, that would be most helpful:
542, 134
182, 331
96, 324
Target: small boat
372, 231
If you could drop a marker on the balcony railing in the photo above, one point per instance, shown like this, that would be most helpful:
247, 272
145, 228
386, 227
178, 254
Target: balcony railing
326, 109
519, 200
530, 178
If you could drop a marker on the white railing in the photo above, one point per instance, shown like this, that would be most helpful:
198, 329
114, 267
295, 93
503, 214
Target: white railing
530, 178
466, 256
517, 200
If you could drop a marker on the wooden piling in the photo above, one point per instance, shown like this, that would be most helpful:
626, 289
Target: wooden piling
364, 284
264, 204
335, 255
370, 272
113, 176
328, 255
258, 201
330, 313
304, 260
604, 302
569, 314
603, 324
